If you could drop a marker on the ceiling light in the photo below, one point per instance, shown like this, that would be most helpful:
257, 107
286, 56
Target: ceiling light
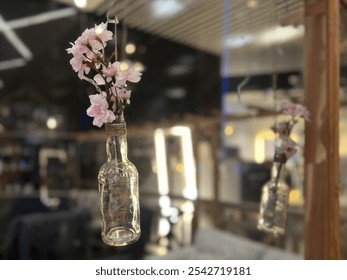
228, 130
124, 66
52, 123
12, 63
166, 8
139, 67
237, 41
176, 93
130, 48
281, 34
99, 30
179, 69
14, 39
80, 3
252, 4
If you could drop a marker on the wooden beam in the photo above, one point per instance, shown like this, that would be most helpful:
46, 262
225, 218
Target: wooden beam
315, 8
321, 71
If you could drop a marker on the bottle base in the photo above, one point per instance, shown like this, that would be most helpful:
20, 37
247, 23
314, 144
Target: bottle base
120, 236
275, 230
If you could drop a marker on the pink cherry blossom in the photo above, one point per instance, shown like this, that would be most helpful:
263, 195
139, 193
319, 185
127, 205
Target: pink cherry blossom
288, 147
281, 128
95, 37
77, 48
132, 75
112, 70
129, 74
99, 79
122, 76
88, 55
121, 92
77, 63
99, 110
294, 110
102, 32
84, 70
88, 44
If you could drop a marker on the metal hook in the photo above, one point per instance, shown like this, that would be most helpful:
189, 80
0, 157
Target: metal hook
113, 19
241, 85
111, 14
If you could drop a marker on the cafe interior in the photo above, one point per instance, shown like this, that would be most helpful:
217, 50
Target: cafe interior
198, 128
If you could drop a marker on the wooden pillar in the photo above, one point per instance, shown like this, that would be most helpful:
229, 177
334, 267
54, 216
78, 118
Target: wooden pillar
322, 79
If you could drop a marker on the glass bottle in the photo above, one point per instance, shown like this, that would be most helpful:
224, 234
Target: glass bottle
274, 201
118, 189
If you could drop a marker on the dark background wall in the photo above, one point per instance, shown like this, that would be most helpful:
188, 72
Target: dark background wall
176, 80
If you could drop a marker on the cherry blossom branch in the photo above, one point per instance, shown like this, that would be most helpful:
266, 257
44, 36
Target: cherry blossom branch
89, 58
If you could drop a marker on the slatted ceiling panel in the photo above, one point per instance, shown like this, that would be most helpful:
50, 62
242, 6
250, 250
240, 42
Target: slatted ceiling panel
173, 29
209, 17
200, 24
139, 14
190, 21
202, 14
166, 26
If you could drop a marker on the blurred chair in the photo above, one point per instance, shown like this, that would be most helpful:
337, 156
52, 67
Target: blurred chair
53, 235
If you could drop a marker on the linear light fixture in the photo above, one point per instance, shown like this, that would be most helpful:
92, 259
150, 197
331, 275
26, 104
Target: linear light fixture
7, 28
41, 18
12, 63
15, 40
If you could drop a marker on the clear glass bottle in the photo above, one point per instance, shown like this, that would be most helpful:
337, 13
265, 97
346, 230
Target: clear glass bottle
118, 189
274, 201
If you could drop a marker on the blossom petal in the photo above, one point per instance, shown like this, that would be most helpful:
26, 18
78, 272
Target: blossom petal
99, 79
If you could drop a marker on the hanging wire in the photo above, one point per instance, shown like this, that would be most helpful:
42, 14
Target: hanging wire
111, 16
274, 59
124, 27
114, 9
124, 40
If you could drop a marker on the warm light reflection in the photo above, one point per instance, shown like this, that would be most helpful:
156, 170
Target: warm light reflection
130, 48
295, 197
124, 66
52, 123
252, 4
138, 66
259, 147
160, 154
190, 191
260, 143
164, 227
80, 3
187, 207
164, 201
179, 167
228, 130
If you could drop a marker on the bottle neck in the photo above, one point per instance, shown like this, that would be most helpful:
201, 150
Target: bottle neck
278, 171
116, 144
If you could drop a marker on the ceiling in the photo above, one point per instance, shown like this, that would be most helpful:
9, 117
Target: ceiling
204, 24
247, 34
241, 31
247, 37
